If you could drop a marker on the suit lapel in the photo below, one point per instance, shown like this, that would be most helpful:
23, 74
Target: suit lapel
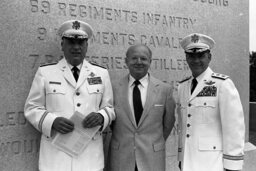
124, 83
151, 92
67, 72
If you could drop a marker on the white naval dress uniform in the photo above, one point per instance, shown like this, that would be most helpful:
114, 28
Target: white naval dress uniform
211, 124
55, 93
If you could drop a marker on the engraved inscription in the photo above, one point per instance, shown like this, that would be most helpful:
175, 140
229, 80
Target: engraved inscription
12, 119
160, 41
42, 33
100, 13
169, 63
17, 147
168, 21
40, 6
214, 2
109, 38
116, 15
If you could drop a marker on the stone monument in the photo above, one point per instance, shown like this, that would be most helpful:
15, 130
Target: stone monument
28, 38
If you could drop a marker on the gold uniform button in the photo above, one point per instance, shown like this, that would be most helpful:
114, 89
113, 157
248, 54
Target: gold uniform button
77, 93
54, 90
189, 105
78, 105
188, 135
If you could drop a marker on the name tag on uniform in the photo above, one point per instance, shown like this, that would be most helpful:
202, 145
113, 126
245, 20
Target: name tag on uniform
94, 80
208, 91
55, 82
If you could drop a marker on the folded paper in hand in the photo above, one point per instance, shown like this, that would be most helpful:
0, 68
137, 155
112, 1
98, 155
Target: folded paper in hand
76, 141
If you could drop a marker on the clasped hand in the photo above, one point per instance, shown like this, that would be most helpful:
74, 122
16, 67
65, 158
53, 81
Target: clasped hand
92, 120
64, 125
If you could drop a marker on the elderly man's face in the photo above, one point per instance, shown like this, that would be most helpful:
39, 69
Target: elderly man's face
198, 62
74, 50
138, 61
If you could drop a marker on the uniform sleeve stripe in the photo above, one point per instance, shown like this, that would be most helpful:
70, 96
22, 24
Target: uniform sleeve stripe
41, 121
108, 115
233, 157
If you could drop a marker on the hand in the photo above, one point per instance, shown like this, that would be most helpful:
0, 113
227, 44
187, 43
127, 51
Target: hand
63, 125
92, 120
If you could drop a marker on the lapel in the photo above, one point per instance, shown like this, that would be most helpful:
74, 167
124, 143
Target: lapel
201, 83
67, 73
124, 83
186, 90
63, 66
86, 69
151, 92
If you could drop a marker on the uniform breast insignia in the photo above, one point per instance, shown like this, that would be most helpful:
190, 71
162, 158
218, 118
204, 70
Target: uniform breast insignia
220, 76
54, 82
43, 65
210, 82
91, 74
185, 79
97, 65
94, 80
208, 91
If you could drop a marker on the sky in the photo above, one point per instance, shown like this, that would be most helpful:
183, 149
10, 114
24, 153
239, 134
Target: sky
252, 10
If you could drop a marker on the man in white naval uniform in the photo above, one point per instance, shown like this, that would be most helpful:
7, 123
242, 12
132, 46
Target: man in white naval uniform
60, 89
210, 114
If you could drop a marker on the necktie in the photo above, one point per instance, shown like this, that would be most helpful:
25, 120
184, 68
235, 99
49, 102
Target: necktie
137, 104
75, 72
193, 86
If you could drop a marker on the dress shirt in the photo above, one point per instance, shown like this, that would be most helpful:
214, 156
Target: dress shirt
78, 66
142, 87
200, 77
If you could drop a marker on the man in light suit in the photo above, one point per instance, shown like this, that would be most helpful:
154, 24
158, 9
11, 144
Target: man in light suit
142, 123
211, 119
60, 89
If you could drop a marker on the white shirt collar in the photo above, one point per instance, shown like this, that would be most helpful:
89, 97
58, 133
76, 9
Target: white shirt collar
71, 66
143, 80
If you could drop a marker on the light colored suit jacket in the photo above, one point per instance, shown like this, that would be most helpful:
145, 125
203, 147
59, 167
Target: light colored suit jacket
143, 144
211, 124
55, 93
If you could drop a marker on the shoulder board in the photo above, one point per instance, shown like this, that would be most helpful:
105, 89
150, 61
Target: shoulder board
220, 76
97, 65
187, 78
48, 64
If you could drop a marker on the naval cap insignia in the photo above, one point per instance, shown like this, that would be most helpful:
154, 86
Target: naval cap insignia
76, 25
195, 38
